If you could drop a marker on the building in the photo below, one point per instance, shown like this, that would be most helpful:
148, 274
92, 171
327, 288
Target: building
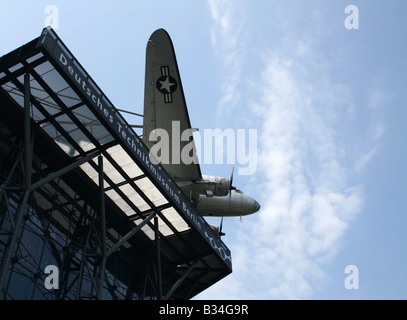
84, 214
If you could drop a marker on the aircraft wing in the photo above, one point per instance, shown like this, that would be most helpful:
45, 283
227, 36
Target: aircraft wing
164, 103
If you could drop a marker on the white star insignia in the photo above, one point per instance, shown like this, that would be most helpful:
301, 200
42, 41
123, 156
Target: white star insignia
166, 84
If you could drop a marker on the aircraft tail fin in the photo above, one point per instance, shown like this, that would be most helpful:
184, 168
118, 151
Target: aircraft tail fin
165, 108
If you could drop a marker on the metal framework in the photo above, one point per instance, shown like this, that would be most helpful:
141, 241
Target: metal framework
78, 191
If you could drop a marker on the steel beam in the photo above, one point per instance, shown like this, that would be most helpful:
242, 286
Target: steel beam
158, 252
27, 182
102, 216
64, 170
129, 235
27, 132
180, 280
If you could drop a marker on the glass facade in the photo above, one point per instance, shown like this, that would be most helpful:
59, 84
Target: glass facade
47, 237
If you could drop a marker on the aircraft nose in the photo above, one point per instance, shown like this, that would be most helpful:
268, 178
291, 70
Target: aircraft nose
256, 206
252, 205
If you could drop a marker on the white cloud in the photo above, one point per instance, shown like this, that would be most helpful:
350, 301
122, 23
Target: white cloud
378, 102
228, 40
379, 99
377, 107
307, 202
306, 183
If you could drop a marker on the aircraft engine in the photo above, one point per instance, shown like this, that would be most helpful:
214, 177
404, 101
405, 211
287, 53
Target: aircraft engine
212, 186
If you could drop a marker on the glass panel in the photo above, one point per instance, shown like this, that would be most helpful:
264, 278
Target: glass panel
124, 161
89, 120
148, 231
69, 97
43, 68
176, 220
118, 200
59, 139
16, 67
75, 133
134, 197
16, 94
111, 172
164, 229
90, 171
35, 57
54, 80
151, 191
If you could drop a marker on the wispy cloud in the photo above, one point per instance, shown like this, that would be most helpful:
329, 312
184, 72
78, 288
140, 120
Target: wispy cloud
229, 39
308, 201
308, 190
377, 108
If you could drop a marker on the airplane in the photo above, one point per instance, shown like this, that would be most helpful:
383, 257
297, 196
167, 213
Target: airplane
164, 105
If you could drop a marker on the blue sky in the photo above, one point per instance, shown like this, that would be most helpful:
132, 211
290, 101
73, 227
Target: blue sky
329, 106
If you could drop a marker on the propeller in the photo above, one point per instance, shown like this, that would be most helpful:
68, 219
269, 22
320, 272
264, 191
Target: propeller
231, 187
231, 180
220, 228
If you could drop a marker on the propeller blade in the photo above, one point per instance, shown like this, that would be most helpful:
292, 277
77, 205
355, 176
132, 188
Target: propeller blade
231, 178
230, 183
220, 228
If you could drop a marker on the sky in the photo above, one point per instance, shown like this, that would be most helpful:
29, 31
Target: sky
324, 89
